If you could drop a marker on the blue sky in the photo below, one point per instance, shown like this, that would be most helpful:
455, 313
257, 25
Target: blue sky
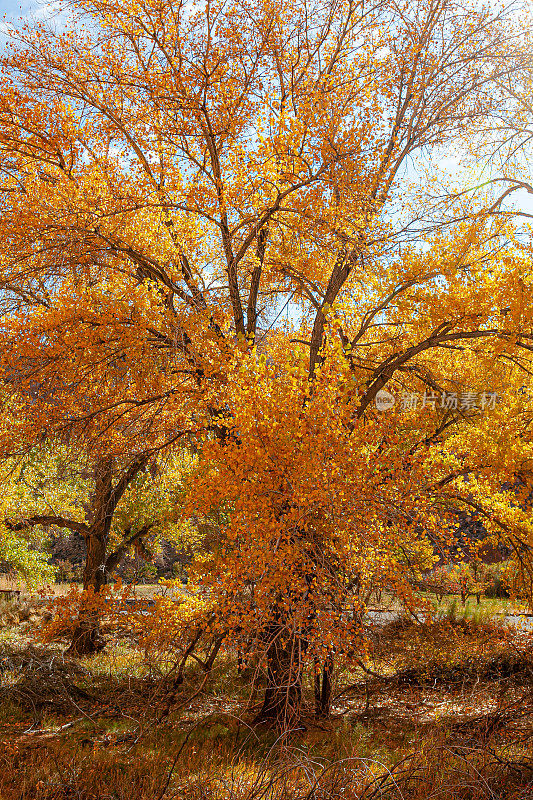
13, 7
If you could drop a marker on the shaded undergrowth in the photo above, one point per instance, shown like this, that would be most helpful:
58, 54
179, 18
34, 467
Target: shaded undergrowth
441, 710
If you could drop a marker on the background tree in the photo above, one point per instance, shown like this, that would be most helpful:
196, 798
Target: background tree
114, 506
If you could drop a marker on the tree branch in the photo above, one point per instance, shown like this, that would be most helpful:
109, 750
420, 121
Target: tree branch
113, 558
48, 519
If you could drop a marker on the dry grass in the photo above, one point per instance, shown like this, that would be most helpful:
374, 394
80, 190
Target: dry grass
442, 711
115, 766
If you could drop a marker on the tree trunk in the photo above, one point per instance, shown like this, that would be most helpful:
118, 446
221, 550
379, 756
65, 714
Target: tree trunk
323, 688
283, 693
86, 637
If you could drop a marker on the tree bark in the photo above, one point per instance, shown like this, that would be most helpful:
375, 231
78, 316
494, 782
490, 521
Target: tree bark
283, 693
86, 637
323, 687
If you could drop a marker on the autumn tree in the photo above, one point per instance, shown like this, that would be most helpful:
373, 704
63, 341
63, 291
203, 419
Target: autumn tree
185, 188
115, 506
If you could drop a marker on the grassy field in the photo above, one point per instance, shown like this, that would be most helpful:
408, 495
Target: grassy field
144, 590
386, 601
439, 710
494, 607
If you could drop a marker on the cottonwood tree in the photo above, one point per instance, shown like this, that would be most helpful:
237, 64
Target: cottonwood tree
321, 506
176, 177
115, 505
